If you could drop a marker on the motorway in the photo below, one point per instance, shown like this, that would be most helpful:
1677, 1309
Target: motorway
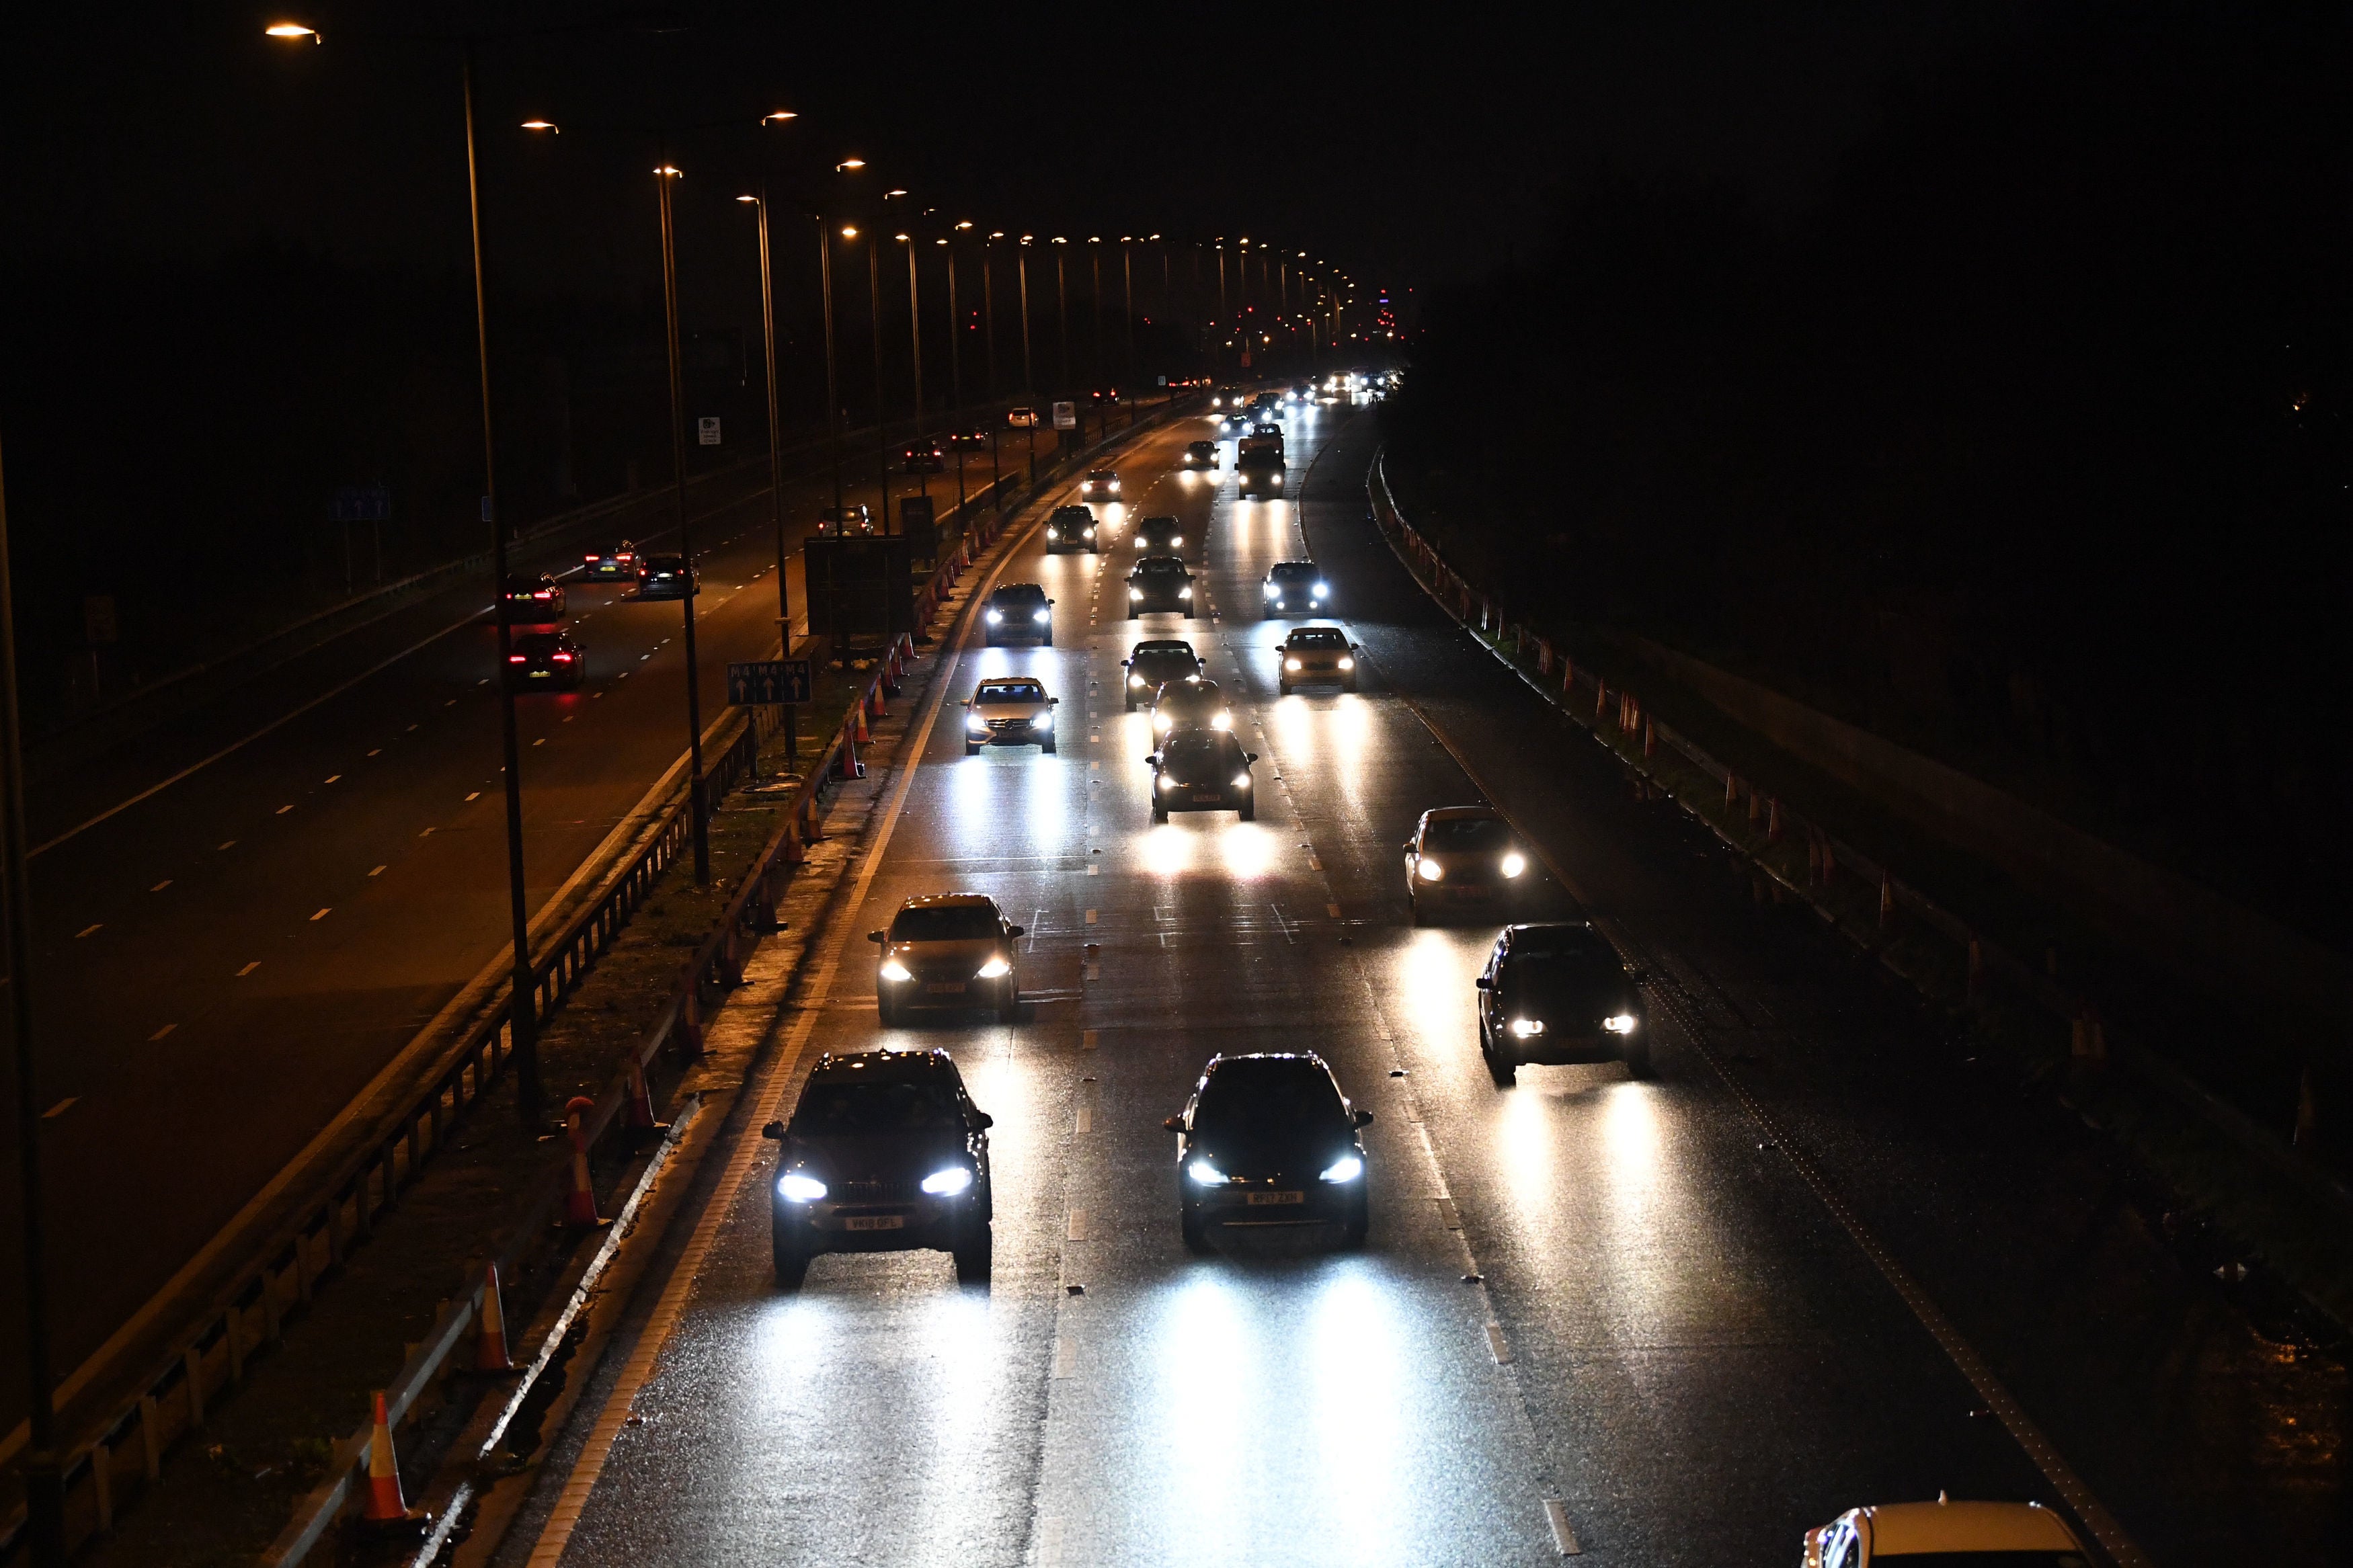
1595, 1315
245, 914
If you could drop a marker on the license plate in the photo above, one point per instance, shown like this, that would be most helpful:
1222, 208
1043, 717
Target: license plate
946, 988
875, 1222
1200, 795
1266, 1200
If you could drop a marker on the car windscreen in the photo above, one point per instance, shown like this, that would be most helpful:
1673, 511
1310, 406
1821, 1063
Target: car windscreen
1019, 593
1160, 566
946, 923
538, 644
1156, 667
1466, 836
849, 1110
1202, 694
1073, 514
1319, 637
1563, 974
1295, 571
1252, 1102
663, 563
1189, 755
1009, 691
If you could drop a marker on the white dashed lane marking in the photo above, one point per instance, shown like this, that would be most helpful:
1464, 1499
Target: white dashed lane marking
248, 969
320, 916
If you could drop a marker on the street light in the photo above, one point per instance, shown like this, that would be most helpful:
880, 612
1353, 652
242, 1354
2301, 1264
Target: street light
776, 437
1063, 309
522, 1009
916, 340
664, 178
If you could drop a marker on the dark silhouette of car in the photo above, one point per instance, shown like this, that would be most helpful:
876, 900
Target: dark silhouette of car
884, 1152
1153, 665
534, 599
1269, 1140
1159, 536
1198, 454
1559, 993
666, 577
1072, 528
1160, 583
1466, 858
545, 659
1203, 770
1102, 484
948, 950
1019, 610
1297, 588
1316, 655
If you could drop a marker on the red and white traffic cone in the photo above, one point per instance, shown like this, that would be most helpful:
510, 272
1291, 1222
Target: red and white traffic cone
859, 732
848, 766
385, 1505
641, 1099
579, 1198
490, 1329
690, 1021
882, 692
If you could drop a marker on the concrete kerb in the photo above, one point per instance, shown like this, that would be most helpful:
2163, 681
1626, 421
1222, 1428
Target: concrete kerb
753, 890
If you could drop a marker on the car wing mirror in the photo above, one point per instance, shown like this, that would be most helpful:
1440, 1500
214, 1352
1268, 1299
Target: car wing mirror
1361, 1119
1249, 756
1408, 845
773, 1129
1153, 761
1484, 984
1173, 1125
982, 1120
1053, 702
1126, 662
1016, 931
877, 936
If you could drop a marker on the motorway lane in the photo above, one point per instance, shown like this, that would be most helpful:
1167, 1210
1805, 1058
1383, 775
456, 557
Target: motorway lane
1700, 1361
225, 963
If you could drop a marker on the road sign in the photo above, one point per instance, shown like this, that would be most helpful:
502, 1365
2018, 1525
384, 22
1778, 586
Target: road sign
1066, 416
768, 680
707, 430
361, 503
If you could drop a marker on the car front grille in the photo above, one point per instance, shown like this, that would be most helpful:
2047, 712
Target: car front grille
877, 1192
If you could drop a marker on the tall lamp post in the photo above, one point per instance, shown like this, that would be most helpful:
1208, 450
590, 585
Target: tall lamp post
832, 373
775, 428
988, 314
664, 178
916, 340
522, 1010
1063, 309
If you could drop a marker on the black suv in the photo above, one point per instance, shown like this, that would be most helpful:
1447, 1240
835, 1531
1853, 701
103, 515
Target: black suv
1202, 770
1556, 993
1296, 588
666, 577
885, 1153
1159, 583
1019, 610
1072, 528
1152, 665
1159, 536
1271, 1141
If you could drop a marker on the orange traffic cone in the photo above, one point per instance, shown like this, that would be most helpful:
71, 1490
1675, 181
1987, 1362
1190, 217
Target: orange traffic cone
579, 1198
859, 733
641, 1099
882, 708
490, 1329
384, 1503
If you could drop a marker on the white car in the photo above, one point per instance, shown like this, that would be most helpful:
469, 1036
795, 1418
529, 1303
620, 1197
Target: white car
1010, 710
1022, 418
2012, 1534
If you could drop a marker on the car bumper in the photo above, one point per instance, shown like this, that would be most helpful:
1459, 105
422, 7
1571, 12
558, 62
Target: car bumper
1468, 895
1204, 800
930, 992
1550, 1050
1320, 1203
1009, 736
927, 1223
1328, 675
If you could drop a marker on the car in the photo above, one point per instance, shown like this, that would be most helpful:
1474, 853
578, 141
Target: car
1019, 610
1159, 535
1267, 406
1010, 710
1465, 856
1203, 770
1557, 993
837, 521
1153, 665
545, 659
924, 457
1948, 1534
1235, 419
948, 950
884, 1152
1303, 391
970, 439
1296, 588
1159, 583
610, 565
1072, 528
1228, 398
1101, 484
1105, 394
528, 598
1268, 1138
666, 577
1198, 454
1021, 418
1190, 704
1317, 656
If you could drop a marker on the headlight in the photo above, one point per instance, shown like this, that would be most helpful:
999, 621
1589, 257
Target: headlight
1040, 618
1430, 870
796, 1188
995, 615
1044, 719
1271, 590
1321, 588
1241, 781
947, 1183
1052, 536
995, 969
1089, 533
1135, 593
1347, 663
1185, 592
1514, 863
1221, 722
1346, 1168
1161, 780
1621, 1024
1208, 1175
1175, 541
977, 724
892, 970
1136, 682
1115, 486
1291, 663
1524, 1027
1160, 721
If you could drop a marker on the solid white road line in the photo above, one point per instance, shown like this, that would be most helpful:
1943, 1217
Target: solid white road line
1564, 1538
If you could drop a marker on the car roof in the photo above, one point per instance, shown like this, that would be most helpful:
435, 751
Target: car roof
1160, 564
948, 901
1191, 687
1023, 682
1460, 812
1900, 1529
1155, 517
1019, 590
1164, 645
1558, 936
1319, 626
1072, 506
1202, 443
1269, 1063
1103, 473
884, 1066
1290, 568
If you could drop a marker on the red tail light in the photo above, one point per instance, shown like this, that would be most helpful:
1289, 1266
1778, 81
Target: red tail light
541, 595
564, 658
517, 659
592, 560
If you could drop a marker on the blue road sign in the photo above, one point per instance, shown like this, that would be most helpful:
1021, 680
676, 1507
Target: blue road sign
768, 680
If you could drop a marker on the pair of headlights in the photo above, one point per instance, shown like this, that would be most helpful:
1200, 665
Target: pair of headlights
1528, 1028
1346, 1168
1294, 664
1429, 871
1240, 781
945, 1182
995, 969
1042, 719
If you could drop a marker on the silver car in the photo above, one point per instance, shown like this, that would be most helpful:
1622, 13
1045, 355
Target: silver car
1010, 710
